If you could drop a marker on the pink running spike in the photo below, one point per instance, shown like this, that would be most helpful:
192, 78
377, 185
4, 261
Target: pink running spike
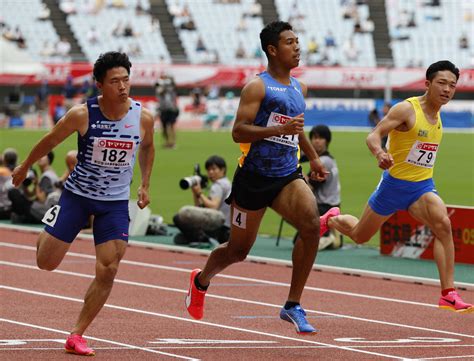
77, 345
323, 220
453, 302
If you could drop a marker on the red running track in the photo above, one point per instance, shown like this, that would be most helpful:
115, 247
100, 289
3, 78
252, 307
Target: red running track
145, 318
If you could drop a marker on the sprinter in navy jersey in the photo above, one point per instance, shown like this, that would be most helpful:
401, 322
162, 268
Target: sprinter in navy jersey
110, 129
269, 127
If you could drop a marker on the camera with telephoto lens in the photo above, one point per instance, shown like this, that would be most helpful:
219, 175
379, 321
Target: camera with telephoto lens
196, 178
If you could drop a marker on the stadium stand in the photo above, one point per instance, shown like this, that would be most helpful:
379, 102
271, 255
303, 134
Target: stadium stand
38, 34
329, 16
423, 32
222, 28
125, 28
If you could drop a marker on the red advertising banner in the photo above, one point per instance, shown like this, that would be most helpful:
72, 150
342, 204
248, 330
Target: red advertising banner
237, 76
403, 236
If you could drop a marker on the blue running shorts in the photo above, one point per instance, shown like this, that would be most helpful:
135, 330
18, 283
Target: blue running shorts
65, 220
394, 194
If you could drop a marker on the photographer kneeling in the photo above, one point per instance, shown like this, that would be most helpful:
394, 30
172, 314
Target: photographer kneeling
209, 218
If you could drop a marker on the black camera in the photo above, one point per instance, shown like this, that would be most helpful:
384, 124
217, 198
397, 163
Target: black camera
196, 178
30, 177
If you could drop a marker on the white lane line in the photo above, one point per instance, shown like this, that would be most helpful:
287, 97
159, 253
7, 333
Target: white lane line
275, 261
96, 339
150, 313
235, 347
246, 279
467, 357
147, 285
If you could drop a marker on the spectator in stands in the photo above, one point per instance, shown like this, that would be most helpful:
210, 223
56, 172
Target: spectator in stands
8, 160
92, 35
208, 221
67, 6
350, 51
329, 40
166, 92
200, 46
44, 13
240, 52
48, 49
254, 10
328, 191
118, 29
139, 9
463, 42
63, 47
134, 49
368, 25
242, 25
128, 30
120, 4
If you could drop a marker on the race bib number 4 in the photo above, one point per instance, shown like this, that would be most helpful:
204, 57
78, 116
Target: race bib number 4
276, 119
112, 152
422, 154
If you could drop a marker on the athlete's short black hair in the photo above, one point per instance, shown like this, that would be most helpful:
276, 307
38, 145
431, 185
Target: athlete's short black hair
270, 34
110, 60
440, 66
217, 161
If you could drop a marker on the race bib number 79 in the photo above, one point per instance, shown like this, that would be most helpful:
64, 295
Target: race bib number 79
109, 152
276, 119
422, 154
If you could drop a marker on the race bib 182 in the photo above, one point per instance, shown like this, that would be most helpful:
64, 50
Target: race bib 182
422, 154
109, 152
276, 119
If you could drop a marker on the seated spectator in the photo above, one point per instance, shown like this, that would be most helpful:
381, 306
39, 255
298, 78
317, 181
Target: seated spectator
128, 30
329, 40
44, 13
463, 42
67, 6
240, 52
254, 10
8, 161
242, 25
93, 35
63, 47
350, 50
200, 46
28, 207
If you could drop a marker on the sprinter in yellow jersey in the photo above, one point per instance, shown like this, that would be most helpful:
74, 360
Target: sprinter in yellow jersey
414, 134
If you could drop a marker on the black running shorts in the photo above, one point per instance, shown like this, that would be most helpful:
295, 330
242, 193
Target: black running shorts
253, 191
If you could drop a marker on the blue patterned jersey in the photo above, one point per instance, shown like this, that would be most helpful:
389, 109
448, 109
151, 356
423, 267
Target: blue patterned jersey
106, 155
275, 156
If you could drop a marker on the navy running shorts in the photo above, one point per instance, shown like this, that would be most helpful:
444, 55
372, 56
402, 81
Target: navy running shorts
393, 194
65, 220
253, 191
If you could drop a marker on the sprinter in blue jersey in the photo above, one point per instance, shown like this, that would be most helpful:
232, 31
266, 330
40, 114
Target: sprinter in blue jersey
269, 127
110, 128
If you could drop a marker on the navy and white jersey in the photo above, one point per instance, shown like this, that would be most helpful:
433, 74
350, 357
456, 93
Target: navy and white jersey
106, 155
275, 156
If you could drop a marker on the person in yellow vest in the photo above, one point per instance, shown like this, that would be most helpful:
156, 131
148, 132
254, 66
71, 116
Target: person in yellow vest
414, 132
